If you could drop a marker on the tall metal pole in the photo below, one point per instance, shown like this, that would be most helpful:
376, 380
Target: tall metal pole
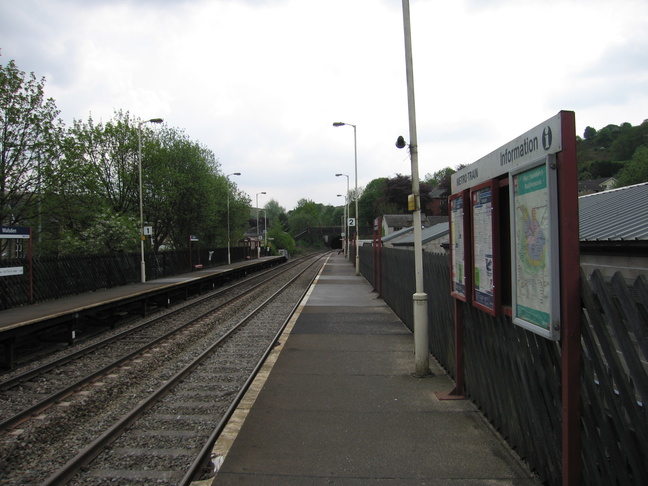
346, 217
229, 257
421, 344
357, 218
357, 214
257, 231
141, 204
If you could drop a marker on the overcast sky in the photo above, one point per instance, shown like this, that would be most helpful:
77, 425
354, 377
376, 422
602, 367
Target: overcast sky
260, 82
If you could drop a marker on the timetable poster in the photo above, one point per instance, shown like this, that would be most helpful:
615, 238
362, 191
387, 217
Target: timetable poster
483, 272
457, 245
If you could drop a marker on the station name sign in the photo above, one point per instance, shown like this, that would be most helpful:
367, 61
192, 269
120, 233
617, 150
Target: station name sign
19, 232
543, 140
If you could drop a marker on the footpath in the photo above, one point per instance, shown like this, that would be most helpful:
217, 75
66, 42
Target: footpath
337, 404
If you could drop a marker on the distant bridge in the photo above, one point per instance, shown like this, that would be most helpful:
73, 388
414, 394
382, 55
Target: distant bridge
332, 235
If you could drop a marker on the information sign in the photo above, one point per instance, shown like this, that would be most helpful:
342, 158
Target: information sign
7, 271
18, 232
351, 222
458, 252
485, 244
534, 248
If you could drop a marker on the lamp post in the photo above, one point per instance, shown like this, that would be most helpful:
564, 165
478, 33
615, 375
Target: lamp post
265, 227
357, 218
229, 257
346, 217
420, 300
257, 208
141, 204
343, 225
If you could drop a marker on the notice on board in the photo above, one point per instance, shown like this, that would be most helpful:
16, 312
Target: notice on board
536, 295
457, 248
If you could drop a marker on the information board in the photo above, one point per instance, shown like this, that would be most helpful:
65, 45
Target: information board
458, 252
534, 248
485, 245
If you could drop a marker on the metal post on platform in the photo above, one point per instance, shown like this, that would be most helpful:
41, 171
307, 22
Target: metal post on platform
421, 343
229, 257
346, 217
357, 218
141, 204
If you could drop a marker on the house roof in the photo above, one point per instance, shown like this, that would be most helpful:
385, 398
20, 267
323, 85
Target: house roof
397, 234
594, 185
615, 215
439, 192
427, 235
400, 220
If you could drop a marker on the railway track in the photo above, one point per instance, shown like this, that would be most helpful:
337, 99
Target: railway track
150, 417
25, 393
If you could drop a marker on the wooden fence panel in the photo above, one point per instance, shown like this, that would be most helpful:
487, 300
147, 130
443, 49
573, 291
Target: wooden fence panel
514, 376
615, 426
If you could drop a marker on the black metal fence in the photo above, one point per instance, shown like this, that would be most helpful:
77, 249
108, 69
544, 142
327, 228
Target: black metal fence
55, 277
514, 376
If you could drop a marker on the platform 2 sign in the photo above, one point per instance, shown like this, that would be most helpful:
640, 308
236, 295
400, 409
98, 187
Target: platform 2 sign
15, 232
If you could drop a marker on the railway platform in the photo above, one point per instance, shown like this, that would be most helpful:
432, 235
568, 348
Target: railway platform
105, 307
337, 403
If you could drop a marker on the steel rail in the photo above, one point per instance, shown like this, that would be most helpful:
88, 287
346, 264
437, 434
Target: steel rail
84, 457
205, 453
70, 389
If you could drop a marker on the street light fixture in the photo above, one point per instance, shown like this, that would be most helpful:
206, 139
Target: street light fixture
141, 204
229, 257
357, 218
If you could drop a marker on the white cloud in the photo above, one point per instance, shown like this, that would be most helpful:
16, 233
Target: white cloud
260, 82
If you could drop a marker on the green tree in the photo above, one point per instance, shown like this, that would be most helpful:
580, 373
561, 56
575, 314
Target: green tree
94, 193
275, 213
29, 142
183, 193
590, 133
629, 139
306, 214
280, 239
636, 170
441, 178
372, 203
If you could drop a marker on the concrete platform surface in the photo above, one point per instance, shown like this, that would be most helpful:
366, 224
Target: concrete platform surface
337, 404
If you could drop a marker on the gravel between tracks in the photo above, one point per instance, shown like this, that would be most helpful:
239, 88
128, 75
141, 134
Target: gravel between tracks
34, 450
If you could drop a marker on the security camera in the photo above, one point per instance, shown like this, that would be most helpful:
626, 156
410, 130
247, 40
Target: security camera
400, 142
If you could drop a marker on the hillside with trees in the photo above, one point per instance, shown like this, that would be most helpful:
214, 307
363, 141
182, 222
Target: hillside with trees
619, 151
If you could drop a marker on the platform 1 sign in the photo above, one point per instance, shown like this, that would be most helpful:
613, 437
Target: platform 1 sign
18, 232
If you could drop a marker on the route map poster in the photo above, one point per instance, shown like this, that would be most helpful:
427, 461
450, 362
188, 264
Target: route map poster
484, 242
457, 248
535, 251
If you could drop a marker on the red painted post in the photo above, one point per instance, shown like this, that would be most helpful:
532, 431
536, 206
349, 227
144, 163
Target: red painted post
570, 298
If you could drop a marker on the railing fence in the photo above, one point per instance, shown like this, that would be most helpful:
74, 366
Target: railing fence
514, 376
